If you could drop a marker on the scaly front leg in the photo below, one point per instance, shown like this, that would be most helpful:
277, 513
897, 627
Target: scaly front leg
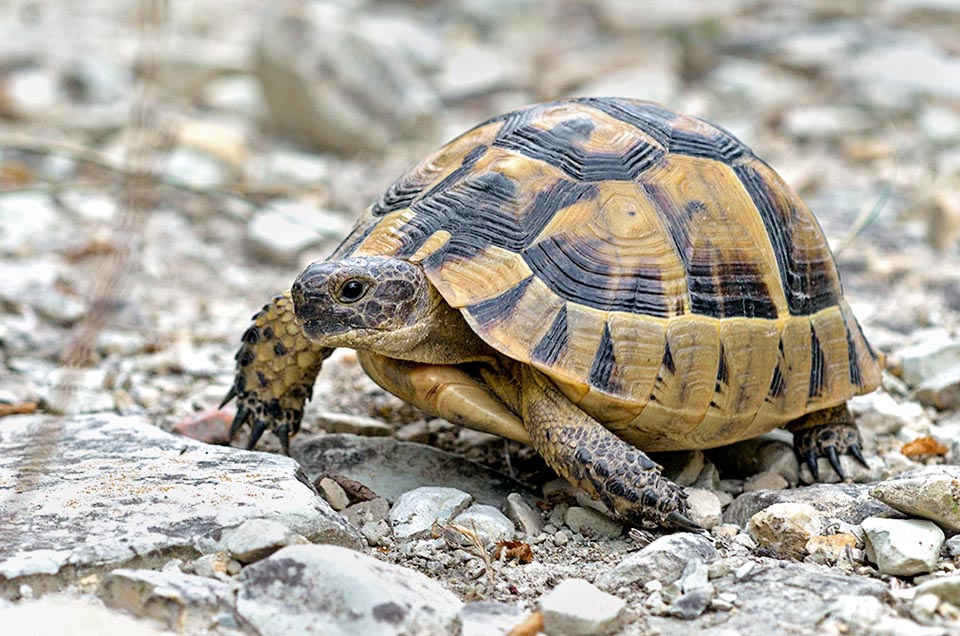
276, 368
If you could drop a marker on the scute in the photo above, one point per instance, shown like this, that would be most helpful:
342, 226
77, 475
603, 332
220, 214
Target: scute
633, 254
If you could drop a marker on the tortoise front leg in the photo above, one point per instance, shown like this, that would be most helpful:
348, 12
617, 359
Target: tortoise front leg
276, 368
589, 456
445, 391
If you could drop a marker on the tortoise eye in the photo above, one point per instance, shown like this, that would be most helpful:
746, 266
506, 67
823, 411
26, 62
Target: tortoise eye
352, 291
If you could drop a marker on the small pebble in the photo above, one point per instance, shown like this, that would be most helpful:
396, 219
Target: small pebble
902, 547
577, 608
334, 493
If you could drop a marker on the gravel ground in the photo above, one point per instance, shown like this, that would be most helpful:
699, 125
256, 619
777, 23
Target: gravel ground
265, 130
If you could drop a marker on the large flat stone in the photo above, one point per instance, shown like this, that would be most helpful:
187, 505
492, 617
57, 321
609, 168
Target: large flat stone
848, 502
390, 467
101, 490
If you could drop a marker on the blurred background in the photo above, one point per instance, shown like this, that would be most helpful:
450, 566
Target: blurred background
179, 162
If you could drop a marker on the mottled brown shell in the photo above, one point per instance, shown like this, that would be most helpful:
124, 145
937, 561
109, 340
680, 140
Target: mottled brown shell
666, 278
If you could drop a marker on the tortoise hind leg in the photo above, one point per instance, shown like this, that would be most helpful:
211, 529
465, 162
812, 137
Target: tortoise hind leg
827, 433
589, 456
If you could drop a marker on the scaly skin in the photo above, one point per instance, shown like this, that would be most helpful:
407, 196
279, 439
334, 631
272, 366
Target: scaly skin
828, 433
276, 368
589, 456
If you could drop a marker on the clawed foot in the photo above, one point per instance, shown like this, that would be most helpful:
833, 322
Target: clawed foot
830, 441
276, 368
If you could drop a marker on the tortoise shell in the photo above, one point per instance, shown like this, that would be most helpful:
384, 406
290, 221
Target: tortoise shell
667, 280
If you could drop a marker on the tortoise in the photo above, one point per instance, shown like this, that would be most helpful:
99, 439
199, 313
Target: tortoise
591, 276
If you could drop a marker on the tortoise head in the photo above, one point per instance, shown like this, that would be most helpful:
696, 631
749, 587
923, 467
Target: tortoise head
359, 302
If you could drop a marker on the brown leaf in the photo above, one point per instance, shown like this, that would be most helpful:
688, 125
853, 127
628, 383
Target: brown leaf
923, 447
530, 626
514, 550
19, 408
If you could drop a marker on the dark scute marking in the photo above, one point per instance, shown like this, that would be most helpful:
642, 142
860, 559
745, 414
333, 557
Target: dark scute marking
583, 455
668, 359
268, 333
856, 377
582, 272
495, 308
405, 190
262, 380
488, 217
818, 378
279, 349
723, 376
469, 209
718, 288
559, 147
661, 124
550, 347
601, 371
808, 285
777, 384
245, 357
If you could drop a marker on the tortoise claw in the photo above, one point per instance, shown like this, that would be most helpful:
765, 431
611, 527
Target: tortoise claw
811, 458
834, 459
678, 520
858, 455
283, 435
243, 413
255, 432
232, 393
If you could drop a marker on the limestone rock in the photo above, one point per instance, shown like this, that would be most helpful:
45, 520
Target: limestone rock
929, 493
577, 608
525, 515
591, 523
133, 491
490, 524
417, 511
174, 599
390, 467
331, 591
851, 503
786, 528
68, 616
250, 541
703, 507
903, 547
663, 560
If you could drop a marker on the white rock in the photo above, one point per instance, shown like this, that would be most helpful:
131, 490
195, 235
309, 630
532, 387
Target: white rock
880, 413
826, 121
178, 601
334, 493
67, 616
785, 527
490, 524
930, 493
32, 93
662, 560
251, 541
766, 480
591, 523
945, 588
902, 547
136, 492
286, 228
942, 390
416, 512
577, 608
928, 358
483, 618
27, 220
330, 591
524, 515
703, 507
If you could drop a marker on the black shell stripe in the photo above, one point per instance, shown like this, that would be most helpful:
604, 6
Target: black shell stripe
856, 377
553, 344
493, 309
716, 288
601, 371
658, 123
559, 147
809, 285
818, 371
